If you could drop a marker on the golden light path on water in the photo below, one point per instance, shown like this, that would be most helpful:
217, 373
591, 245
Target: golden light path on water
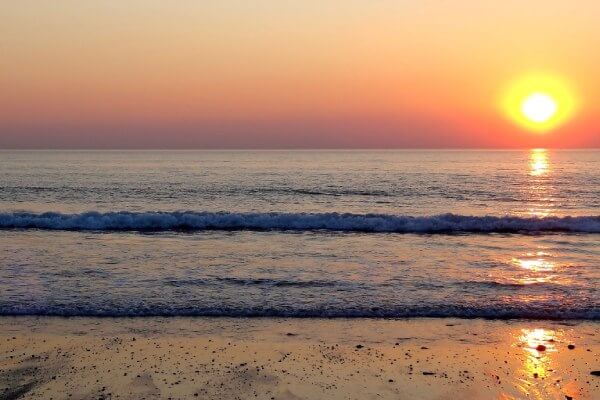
540, 376
536, 262
536, 265
540, 185
539, 162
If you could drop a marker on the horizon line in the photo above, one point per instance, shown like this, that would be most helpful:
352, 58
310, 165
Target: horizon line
291, 148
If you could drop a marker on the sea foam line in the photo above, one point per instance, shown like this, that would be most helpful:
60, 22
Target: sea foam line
201, 221
530, 311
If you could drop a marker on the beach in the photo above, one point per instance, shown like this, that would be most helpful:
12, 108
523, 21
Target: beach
271, 358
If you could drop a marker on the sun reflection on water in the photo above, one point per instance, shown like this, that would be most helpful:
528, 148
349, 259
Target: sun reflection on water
534, 267
540, 187
538, 162
535, 262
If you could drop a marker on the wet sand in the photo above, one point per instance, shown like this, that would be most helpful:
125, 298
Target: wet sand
225, 358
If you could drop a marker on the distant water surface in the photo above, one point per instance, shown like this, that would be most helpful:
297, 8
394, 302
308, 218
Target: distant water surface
498, 234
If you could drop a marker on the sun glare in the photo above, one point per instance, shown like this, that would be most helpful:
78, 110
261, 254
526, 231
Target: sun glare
539, 103
539, 107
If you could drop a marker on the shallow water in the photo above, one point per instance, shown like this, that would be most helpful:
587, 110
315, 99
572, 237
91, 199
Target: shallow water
308, 233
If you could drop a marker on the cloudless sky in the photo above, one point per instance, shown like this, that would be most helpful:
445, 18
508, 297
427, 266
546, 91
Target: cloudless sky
289, 74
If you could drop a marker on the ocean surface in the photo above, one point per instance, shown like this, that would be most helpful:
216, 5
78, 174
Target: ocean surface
493, 234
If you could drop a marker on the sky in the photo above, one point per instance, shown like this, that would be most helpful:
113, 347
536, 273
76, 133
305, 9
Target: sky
290, 74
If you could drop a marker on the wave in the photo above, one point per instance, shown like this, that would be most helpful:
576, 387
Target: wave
333, 192
517, 285
523, 311
250, 282
202, 221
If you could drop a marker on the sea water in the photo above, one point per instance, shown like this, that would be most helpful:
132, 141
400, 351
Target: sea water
494, 234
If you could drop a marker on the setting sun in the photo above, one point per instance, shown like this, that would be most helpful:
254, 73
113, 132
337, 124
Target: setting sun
539, 107
539, 102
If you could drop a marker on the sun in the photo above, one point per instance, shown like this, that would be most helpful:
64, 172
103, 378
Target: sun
539, 107
539, 102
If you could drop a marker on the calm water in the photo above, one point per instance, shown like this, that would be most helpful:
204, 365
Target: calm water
312, 233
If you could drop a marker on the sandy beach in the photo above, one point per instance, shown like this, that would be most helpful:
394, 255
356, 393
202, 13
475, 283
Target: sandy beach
223, 358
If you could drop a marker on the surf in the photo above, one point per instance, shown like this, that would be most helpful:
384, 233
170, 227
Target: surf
155, 221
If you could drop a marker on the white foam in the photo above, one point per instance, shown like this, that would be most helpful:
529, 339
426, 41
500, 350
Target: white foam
199, 221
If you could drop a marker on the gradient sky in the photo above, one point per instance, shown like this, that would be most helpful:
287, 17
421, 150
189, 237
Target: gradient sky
288, 74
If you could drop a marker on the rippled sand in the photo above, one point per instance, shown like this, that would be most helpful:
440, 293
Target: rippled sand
222, 358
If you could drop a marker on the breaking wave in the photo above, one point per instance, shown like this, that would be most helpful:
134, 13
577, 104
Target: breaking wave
522, 311
202, 221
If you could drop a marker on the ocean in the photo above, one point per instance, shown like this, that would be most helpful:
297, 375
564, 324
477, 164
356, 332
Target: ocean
490, 234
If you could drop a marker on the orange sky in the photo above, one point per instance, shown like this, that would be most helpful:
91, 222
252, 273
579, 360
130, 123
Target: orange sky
266, 74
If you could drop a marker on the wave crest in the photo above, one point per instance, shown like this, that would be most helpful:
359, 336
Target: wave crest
529, 311
202, 221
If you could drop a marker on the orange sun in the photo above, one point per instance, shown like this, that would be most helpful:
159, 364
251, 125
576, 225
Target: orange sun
539, 102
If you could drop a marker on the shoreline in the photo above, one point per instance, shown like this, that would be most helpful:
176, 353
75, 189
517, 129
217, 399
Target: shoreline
297, 358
